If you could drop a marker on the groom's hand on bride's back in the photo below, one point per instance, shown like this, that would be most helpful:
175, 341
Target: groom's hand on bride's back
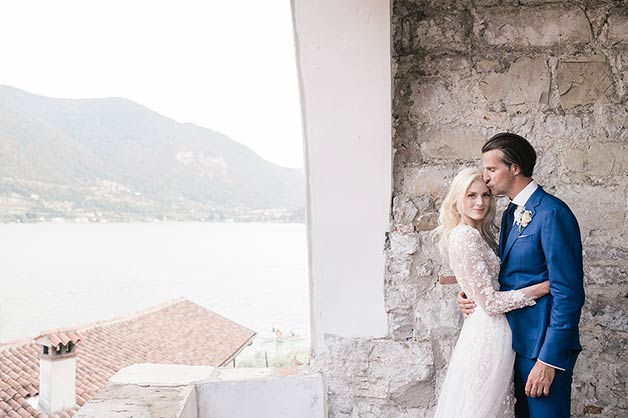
466, 305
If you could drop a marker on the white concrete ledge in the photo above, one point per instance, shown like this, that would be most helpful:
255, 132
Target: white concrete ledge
162, 374
146, 401
263, 395
172, 391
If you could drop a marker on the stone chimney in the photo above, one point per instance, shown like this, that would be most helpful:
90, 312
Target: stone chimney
57, 371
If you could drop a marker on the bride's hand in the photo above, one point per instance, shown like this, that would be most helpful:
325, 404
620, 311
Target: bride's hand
465, 304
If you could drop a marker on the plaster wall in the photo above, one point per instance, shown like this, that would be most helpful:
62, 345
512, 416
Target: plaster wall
267, 395
343, 55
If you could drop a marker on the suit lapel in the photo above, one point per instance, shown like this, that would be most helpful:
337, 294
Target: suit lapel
531, 205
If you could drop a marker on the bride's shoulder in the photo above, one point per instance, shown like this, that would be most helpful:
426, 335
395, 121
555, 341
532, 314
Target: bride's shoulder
464, 229
464, 233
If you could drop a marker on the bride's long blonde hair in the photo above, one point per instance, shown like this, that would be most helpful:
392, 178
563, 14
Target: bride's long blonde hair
451, 210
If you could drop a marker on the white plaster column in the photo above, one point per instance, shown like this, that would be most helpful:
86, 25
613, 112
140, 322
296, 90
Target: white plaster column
57, 370
57, 384
343, 55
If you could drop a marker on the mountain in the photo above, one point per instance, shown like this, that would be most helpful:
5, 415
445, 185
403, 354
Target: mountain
113, 159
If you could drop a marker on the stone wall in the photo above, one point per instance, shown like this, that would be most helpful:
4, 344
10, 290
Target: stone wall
555, 72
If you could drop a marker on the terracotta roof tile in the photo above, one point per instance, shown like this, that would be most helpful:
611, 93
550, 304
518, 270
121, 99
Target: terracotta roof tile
23, 413
58, 337
11, 392
179, 332
13, 404
4, 407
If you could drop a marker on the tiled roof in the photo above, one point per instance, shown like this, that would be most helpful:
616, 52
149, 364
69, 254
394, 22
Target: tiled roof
58, 337
179, 332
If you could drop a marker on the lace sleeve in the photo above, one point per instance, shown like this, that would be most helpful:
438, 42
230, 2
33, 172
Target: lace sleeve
470, 258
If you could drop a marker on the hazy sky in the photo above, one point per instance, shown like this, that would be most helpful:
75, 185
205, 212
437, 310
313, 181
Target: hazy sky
226, 65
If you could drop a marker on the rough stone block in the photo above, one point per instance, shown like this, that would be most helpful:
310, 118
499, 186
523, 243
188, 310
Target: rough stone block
536, 26
443, 32
618, 27
600, 375
570, 128
599, 159
406, 149
436, 313
445, 4
595, 207
424, 203
452, 143
400, 324
613, 276
488, 66
597, 13
424, 266
410, 271
600, 311
606, 249
621, 63
403, 245
433, 65
400, 295
404, 210
439, 100
525, 86
584, 81
428, 180
611, 121
496, 2
426, 221
396, 376
377, 369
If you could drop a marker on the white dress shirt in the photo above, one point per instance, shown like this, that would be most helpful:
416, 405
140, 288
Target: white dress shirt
524, 195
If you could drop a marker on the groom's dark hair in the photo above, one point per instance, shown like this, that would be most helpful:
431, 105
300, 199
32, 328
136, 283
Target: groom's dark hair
515, 150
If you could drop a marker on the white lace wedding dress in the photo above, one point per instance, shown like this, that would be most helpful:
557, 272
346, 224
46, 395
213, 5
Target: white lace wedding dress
479, 381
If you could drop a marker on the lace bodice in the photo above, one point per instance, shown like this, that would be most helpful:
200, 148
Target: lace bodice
477, 268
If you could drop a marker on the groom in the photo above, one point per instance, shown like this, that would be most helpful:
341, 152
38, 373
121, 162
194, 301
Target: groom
539, 240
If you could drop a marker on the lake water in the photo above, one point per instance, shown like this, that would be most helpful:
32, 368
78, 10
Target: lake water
64, 275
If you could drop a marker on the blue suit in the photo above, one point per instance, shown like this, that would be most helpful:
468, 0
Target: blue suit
549, 247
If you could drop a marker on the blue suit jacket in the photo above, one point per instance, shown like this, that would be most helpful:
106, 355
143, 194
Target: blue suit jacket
549, 247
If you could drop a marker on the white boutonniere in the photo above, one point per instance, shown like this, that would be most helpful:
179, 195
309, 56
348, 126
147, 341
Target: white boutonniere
522, 217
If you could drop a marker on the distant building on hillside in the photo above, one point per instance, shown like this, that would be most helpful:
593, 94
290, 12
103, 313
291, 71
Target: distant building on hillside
57, 372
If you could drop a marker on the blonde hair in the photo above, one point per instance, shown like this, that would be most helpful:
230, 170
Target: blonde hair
451, 210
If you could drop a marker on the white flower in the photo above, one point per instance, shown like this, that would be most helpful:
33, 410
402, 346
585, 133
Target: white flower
522, 217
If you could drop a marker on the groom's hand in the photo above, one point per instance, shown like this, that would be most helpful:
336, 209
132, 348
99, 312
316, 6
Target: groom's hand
465, 304
539, 380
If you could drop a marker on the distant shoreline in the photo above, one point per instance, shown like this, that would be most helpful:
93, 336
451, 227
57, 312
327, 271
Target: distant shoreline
57, 221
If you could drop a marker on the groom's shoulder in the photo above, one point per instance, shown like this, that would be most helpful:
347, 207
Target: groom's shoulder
553, 203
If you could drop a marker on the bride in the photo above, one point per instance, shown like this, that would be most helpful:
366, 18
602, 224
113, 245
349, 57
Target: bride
479, 381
